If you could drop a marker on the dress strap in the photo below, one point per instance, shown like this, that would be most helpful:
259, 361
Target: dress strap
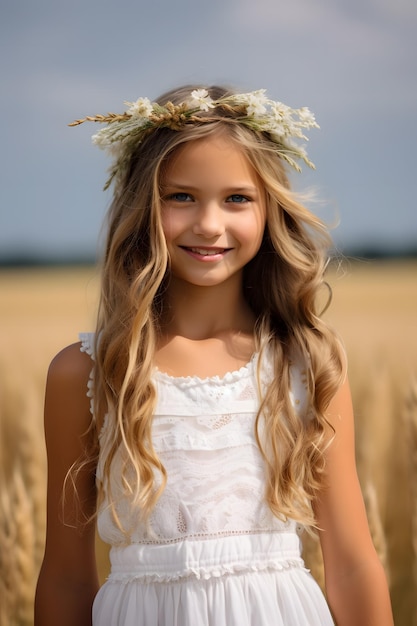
87, 343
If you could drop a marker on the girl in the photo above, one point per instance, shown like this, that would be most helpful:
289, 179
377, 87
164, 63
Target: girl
221, 422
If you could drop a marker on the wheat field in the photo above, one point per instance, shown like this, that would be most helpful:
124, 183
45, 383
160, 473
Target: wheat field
375, 310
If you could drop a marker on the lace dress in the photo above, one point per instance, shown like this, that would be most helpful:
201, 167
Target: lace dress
212, 554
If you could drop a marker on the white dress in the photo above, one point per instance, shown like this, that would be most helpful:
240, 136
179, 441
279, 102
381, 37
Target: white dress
213, 554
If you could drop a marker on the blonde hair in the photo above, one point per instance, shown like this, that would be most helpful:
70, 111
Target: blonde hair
282, 284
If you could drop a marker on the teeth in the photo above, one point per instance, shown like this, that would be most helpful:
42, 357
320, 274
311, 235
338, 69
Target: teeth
205, 252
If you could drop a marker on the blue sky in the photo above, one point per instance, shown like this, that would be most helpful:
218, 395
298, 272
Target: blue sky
352, 62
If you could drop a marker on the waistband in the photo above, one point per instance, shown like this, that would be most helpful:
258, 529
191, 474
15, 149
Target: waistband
205, 558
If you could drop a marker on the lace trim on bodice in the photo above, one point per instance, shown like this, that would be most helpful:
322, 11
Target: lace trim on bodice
190, 381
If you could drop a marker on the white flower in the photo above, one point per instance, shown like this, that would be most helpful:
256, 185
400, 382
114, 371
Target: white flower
141, 108
254, 102
277, 132
307, 119
101, 139
202, 98
281, 111
254, 110
255, 107
116, 132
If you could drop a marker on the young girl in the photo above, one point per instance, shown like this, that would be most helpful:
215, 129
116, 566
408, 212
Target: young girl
218, 423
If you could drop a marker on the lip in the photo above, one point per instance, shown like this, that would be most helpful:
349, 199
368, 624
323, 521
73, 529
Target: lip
206, 254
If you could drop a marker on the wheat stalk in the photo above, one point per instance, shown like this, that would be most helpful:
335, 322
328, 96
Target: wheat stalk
17, 567
376, 527
313, 557
411, 430
22, 504
102, 119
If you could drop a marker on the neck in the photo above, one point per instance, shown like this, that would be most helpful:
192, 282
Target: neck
206, 312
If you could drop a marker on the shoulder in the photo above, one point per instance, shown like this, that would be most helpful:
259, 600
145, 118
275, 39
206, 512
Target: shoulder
67, 387
73, 362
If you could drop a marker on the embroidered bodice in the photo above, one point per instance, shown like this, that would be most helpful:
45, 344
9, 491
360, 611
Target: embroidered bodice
204, 433
213, 553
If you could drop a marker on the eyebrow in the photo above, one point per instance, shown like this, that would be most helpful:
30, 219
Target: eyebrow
235, 189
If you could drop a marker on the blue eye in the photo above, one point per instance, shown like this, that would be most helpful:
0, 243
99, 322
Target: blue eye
237, 198
180, 197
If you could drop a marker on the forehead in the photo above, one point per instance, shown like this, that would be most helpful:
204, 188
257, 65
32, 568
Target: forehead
214, 156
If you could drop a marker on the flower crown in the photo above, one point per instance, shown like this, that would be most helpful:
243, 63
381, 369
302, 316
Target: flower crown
254, 110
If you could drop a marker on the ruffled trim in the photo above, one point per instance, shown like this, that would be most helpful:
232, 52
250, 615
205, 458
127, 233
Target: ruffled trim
206, 559
87, 343
226, 379
87, 346
203, 573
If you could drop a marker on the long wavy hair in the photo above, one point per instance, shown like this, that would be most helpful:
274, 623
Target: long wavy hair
282, 285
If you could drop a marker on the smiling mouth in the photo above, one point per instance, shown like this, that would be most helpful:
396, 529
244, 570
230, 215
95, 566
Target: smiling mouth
206, 251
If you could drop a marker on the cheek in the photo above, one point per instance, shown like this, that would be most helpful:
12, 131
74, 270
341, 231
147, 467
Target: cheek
166, 228
253, 229
170, 225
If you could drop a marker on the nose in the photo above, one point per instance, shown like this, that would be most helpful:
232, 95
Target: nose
209, 221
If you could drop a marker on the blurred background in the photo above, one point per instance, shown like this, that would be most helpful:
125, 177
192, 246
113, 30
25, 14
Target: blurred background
353, 63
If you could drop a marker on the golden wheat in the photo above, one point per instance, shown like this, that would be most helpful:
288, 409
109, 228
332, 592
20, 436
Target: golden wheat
411, 429
375, 310
37, 313
313, 557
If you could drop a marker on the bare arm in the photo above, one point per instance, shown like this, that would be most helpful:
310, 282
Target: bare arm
356, 586
68, 578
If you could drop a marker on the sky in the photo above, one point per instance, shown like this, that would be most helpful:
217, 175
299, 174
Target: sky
352, 62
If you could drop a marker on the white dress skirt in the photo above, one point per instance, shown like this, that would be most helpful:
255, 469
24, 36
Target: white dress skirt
212, 552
